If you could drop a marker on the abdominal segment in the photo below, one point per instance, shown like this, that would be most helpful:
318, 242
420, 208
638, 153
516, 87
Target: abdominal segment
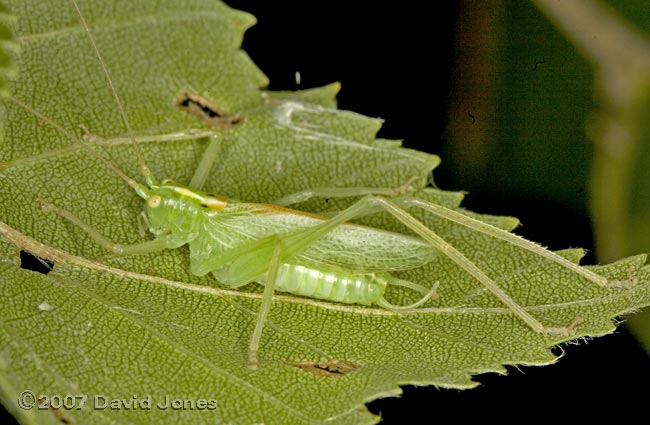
349, 288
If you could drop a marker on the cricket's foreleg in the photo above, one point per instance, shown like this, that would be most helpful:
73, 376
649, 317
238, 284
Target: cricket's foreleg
267, 298
343, 192
153, 245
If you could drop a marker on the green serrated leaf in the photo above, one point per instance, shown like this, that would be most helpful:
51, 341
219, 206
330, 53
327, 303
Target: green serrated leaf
142, 326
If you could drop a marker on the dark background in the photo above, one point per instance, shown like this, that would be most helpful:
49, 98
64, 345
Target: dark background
395, 61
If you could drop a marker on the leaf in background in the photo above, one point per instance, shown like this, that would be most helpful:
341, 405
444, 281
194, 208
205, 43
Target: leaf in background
620, 56
142, 325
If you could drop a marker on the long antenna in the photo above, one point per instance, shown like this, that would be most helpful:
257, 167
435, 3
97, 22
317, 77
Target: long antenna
146, 172
140, 189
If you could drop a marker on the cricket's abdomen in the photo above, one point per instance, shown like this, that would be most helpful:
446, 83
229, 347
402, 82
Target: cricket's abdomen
365, 289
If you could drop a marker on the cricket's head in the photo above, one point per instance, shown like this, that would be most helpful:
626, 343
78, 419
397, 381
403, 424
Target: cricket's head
172, 207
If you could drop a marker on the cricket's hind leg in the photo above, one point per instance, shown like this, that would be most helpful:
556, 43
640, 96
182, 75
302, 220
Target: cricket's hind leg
372, 204
393, 207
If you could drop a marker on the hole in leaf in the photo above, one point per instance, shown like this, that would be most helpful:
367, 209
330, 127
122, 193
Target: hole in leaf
331, 369
207, 111
36, 264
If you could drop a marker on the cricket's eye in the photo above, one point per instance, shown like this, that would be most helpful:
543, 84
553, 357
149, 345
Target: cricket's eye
167, 181
154, 201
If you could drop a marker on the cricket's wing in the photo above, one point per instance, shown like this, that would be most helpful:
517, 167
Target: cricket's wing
366, 249
350, 247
